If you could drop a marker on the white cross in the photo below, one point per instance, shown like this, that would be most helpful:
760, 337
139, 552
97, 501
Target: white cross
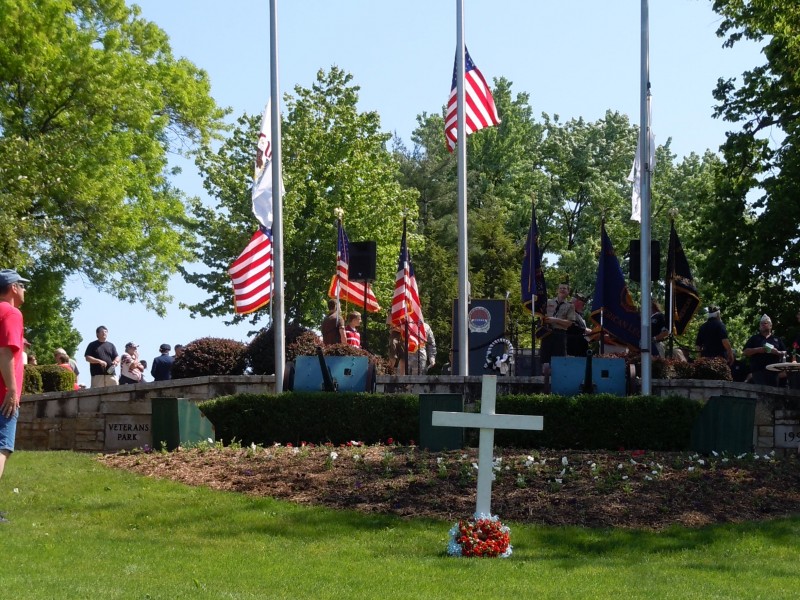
487, 421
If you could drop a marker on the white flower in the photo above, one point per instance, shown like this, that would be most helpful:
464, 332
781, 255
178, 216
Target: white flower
654, 472
619, 466
701, 462
463, 457
690, 469
725, 460
334, 455
714, 453
633, 462
756, 456
253, 446
210, 441
439, 460
593, 466
624, 477
16, 490
563, 471
564, 461
357, 457
295, 450
559, 480
475, 466
648, 478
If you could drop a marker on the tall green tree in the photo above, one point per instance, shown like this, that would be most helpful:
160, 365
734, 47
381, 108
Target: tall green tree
333, 156
752, 236
92, 103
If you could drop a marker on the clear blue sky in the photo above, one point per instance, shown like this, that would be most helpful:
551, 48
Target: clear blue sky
575, 58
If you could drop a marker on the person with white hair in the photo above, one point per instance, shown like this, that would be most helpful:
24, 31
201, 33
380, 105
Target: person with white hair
712, 337
763, 349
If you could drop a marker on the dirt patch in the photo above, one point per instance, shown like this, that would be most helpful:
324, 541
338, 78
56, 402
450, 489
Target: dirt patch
642, 490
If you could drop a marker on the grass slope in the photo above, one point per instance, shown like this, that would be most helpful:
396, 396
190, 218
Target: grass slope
81, 530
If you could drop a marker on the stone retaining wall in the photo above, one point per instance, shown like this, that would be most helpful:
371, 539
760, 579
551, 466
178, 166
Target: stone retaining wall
81, 420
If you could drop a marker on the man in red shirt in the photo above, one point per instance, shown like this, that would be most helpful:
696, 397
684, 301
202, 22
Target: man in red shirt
12, 295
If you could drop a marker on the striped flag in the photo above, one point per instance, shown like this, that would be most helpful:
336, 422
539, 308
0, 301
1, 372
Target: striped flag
251, 274
479, 112
341, 286
406, 308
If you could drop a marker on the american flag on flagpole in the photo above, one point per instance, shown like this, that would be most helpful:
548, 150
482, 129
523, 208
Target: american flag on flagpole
341, 286
251, 274
406, 308
480, 110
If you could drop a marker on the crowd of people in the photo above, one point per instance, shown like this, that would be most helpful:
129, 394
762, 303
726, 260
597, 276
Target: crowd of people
336, 330
104, 359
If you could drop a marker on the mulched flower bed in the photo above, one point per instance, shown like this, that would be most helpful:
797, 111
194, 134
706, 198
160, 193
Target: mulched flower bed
632, 489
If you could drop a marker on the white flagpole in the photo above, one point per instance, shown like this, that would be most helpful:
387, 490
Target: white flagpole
461, 148
644, 141
277, 204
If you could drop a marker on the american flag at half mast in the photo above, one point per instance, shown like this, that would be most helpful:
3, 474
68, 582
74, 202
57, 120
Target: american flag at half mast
479, 111
406, 309
251, 272
341, 286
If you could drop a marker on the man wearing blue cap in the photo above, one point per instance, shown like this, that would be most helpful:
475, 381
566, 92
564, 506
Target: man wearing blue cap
12, 295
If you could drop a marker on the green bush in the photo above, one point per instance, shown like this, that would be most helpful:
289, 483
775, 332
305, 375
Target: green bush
602, 421
261, 351
587, 422
712, 368
314, 417
55, 378
210, 356
32, 380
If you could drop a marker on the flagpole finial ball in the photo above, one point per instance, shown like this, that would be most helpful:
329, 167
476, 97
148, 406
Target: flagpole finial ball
338, 212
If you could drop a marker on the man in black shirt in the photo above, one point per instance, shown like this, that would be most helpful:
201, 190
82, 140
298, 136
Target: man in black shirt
764, 349
103, 359
712, 337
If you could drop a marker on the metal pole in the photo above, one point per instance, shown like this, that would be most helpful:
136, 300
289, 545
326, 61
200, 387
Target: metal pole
461, 148
644, 138
277, 204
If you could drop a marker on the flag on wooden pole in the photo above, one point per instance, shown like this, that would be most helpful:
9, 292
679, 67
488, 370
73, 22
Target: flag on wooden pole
406, 309
620, 317
341, 286
680, 293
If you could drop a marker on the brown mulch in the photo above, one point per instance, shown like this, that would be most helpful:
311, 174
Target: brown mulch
642, 490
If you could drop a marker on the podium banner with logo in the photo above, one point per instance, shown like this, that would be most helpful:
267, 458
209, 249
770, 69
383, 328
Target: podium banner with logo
487, 333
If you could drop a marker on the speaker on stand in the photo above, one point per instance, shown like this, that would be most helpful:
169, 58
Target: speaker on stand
362, 267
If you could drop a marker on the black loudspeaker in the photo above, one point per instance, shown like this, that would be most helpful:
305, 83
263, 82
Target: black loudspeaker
363, 256
635, 264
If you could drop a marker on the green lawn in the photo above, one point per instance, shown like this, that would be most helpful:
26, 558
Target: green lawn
81, 530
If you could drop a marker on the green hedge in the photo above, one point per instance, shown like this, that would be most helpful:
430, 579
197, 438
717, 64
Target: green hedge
314, 417
602, 421
32, 380
52, 378
585, 422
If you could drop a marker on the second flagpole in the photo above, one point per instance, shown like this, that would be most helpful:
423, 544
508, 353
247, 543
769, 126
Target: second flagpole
278, 310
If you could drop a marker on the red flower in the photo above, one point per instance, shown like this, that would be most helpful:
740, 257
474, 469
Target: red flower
389, 441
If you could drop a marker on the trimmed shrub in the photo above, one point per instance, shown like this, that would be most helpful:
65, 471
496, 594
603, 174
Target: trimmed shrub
712, 368
32, 380
261, 351
55, 378
210, 356
602, 421
589, 422
314, 417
